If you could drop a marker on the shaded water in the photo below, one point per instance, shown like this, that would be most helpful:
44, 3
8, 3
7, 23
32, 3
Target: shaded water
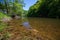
48, 28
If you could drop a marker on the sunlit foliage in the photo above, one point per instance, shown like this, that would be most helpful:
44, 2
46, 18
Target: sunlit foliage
12, 6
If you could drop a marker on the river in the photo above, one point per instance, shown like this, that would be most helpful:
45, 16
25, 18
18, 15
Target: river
48, 27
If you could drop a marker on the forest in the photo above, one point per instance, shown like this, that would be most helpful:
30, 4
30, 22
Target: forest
45, 8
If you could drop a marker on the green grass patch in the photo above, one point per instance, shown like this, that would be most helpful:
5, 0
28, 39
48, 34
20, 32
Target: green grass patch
2, 26
2, 15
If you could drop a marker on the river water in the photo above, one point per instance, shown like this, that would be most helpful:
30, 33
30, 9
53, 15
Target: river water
46, 26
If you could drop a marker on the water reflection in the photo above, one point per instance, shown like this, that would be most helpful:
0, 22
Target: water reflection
26, 23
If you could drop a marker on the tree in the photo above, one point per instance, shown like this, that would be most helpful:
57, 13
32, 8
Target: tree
17, 7
45, 8
13, 6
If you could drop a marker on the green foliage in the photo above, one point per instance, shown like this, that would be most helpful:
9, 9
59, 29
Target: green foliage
2, 15
45, 8
12, 6
18, 8
25, 13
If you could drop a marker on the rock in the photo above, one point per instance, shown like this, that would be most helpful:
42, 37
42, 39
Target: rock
17, 17
6, 19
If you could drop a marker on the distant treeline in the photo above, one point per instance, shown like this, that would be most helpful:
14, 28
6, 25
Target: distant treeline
45, 8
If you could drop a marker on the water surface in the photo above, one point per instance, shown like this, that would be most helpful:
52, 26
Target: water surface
48, 27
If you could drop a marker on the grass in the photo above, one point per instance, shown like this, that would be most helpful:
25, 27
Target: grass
2, 26
2, 15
